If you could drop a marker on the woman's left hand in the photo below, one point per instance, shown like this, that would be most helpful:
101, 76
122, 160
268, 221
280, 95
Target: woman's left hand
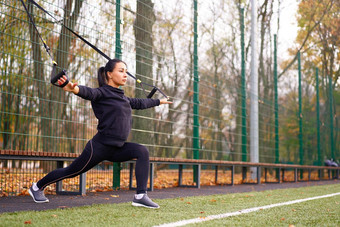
165, 101
72, 87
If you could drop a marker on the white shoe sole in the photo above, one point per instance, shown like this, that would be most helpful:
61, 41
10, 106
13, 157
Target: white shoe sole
142, 205
31, 194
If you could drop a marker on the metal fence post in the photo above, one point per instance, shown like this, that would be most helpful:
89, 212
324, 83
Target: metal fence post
331, 126
276, 110
196, 135
118, 54
300, 116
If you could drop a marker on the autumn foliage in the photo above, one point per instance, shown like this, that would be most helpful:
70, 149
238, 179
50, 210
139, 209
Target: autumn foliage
15, 183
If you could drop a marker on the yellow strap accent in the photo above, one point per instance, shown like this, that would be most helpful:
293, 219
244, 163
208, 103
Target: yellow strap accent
139, 81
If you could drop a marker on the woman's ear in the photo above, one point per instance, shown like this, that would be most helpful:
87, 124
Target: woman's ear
109, 75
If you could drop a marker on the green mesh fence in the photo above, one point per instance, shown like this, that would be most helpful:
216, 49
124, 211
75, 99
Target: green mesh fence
156, 40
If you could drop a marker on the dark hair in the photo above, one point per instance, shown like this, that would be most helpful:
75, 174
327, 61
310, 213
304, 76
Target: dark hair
109, 67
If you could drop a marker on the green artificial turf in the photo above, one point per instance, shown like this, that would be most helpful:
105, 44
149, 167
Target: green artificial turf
320, 212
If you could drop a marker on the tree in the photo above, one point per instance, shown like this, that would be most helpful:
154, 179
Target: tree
266, 83
145, 19
48, 110
173, 76
319, 40
14, 80
215, 77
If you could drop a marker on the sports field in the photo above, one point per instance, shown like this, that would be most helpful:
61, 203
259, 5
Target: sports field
306, 206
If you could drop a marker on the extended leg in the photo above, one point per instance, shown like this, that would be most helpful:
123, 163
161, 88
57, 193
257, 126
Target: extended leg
83, 163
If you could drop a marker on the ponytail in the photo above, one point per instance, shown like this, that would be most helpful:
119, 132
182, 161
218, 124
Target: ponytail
102, 71
102, 80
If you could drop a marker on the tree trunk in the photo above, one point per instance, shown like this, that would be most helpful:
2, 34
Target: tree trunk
63, 49
145, 18
38, 73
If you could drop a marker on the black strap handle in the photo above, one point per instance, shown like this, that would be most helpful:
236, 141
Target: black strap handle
152, 92
55, 78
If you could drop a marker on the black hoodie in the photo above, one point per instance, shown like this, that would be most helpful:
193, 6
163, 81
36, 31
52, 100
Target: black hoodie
114, 112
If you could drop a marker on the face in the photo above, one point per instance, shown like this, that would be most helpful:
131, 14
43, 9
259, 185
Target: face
118, 76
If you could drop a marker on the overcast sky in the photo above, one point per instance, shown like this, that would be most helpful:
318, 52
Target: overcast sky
288, 26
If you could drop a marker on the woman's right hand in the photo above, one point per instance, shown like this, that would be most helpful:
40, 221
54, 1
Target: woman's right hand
71, 87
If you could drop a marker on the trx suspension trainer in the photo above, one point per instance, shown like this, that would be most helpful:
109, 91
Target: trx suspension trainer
55, 77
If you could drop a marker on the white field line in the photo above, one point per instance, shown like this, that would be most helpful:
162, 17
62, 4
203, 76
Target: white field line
245, 211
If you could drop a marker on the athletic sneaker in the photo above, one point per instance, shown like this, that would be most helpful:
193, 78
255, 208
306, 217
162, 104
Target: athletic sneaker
145, 201
38, 196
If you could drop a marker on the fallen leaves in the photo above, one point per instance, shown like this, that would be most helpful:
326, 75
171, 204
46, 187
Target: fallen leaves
16, 182
23, 192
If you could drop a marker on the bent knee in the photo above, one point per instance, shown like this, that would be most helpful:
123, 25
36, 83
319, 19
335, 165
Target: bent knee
143, 152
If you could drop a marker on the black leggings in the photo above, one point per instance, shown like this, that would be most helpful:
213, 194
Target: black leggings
96, 152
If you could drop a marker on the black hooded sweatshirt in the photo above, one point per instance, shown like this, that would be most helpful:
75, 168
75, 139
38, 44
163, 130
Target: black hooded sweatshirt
114, 112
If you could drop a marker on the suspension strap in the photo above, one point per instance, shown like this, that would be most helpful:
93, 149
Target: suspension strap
35, 27
55, 78
73, 32
154, 88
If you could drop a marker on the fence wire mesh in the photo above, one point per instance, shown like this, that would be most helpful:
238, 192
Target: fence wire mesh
156, 40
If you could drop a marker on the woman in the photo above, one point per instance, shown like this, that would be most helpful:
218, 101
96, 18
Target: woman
113, 111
